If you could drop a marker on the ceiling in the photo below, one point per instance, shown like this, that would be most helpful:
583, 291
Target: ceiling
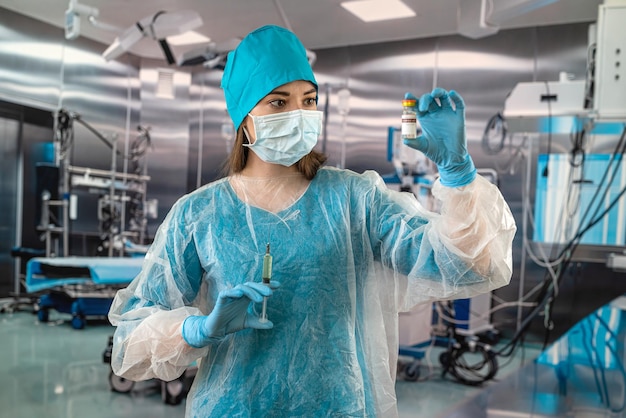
319, 23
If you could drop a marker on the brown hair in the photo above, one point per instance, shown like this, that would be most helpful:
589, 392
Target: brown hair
236, 161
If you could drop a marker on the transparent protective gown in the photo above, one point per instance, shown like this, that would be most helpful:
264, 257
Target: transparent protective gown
349, 254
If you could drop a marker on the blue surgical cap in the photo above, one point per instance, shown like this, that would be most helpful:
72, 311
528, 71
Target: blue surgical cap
265, 59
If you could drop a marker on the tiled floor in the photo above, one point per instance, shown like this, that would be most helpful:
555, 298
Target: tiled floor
52, 370
436, 396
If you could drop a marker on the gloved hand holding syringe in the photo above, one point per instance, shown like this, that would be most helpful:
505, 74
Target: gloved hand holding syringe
266, 278
231, 312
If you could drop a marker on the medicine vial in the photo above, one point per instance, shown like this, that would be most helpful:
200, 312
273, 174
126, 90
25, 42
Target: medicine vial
409, 119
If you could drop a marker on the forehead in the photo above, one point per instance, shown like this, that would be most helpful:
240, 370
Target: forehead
295, 87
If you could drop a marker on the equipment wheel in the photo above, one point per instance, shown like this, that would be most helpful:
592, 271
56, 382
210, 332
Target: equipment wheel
412, 371
43, 315
444, 359
78, 322
173, 392
119, 384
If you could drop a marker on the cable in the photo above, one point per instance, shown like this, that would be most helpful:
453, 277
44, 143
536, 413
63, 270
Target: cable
590, 76
548, 289
455, 362
587, 346
574, 242
496, 123
549, 102
619, 150
547, 295
470, 374
510, 348
64, 133
616, 356
475, 315
138, 149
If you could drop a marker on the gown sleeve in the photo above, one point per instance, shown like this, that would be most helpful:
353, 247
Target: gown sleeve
461, 251
149, 313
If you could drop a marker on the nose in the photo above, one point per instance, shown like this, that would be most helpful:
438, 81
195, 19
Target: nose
296, 105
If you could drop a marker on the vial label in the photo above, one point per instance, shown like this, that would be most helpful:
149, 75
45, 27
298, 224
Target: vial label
409, 127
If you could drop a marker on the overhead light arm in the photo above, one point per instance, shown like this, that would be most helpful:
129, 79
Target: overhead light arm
480, 18
157, 27
211, 55
165, 47
72, 18
123, 43
102, 25
500, 11
81, 9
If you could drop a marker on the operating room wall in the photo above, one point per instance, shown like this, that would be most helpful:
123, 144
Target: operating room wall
483, 71
43, 71
29, 79
40, 73
165, 110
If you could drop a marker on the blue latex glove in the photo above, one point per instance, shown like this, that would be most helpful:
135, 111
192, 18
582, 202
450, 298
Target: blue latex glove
229, 315
443, 136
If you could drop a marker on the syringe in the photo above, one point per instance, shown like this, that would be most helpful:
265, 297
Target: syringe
266, 277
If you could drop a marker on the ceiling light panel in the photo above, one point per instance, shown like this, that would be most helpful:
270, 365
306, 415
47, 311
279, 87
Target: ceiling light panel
377, 10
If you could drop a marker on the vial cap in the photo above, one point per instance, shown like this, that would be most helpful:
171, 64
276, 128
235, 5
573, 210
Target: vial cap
408, 103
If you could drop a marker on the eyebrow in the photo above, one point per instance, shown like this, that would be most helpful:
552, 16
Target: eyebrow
285, 93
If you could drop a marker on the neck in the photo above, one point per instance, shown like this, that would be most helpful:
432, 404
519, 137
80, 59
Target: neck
256, 167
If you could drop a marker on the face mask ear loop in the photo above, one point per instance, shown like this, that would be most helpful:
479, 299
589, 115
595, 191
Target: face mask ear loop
246, 136
245, 131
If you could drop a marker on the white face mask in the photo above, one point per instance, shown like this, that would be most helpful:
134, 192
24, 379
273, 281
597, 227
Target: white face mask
284, 138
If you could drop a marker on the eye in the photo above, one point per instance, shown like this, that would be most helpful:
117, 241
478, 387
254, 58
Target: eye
278, 103
310, 101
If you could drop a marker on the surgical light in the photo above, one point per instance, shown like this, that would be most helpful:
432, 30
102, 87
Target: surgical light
188, 38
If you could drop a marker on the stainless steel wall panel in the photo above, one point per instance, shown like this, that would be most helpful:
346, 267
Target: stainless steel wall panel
106, 96
10, 167
561, 48
208, 115
40, 67
196, 131
42, 70
377, 77
31, 61
484, 71
168, 119
36, 148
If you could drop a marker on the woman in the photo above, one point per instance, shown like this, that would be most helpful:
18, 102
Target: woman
348, 255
